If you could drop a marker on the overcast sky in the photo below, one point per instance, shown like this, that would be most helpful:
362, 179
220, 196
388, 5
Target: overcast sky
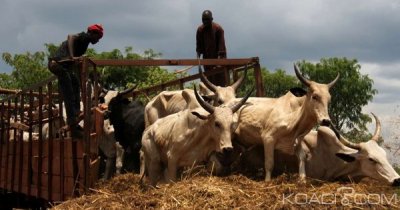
279, 32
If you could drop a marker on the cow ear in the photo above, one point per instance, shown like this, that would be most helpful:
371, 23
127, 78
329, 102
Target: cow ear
187, 95
235, 122
298, 92
200, 116
191, 102
346, 157
234, 126
203, 90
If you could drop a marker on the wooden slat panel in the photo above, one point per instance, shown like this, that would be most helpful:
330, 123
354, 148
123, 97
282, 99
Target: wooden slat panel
67, 146
68, 165
69, 183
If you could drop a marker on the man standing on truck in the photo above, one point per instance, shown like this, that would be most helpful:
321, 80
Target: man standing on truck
210, 42
62, 64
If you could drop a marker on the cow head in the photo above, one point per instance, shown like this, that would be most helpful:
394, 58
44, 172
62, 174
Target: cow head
222, 95
371, 157
107, 95
317, 98
221, 121
115, 101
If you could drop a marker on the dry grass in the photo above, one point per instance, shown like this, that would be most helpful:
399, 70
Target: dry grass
197, 190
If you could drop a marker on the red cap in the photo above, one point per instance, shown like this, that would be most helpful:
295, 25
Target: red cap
96, 28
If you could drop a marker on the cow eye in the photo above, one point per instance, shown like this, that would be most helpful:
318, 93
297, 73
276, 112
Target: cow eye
217, 124
372, 160
315, 97
220, 102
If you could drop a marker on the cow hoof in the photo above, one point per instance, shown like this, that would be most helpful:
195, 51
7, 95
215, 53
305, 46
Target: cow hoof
302, 181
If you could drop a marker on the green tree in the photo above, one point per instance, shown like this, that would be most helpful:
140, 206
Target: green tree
6, 81
352, 91
276, 83
30, 68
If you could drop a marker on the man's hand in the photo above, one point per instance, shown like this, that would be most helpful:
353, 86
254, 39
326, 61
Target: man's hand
75, 58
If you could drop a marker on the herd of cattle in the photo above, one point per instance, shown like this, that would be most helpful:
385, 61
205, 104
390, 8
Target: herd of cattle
178, 129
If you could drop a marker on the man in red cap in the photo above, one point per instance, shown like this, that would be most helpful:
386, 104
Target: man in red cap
61, 63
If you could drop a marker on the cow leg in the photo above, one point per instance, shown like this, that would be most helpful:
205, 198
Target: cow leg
268, 157
152, 159
154, 171
142, 164
120, 158
302, 156
302, 168
171, 171
153, 166
110, 168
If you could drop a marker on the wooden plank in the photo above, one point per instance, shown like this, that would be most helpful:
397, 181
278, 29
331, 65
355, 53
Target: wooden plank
2, 140
7, 150
14, 151
29, 146
174, 62
40, 142
50, 148
259, 81
94, 172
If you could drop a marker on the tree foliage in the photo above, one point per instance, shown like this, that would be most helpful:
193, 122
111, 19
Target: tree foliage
352, 91
276, 83
30, 68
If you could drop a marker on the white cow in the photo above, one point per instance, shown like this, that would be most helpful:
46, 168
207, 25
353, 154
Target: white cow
111, 149
170, 102
276, 123
330, 157
187, 138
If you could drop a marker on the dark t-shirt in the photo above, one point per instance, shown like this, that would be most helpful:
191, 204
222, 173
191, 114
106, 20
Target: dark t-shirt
81, 43
211, 41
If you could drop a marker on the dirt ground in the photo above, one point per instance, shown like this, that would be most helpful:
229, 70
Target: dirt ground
198, 190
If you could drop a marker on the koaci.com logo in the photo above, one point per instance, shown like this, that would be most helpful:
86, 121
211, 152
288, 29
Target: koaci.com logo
343, 195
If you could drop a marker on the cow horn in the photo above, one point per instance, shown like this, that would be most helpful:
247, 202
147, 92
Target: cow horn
241, 102
127, 90
344, 140
240, 80
207, 82
302, 79
375, 137
205, 105
334, 81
